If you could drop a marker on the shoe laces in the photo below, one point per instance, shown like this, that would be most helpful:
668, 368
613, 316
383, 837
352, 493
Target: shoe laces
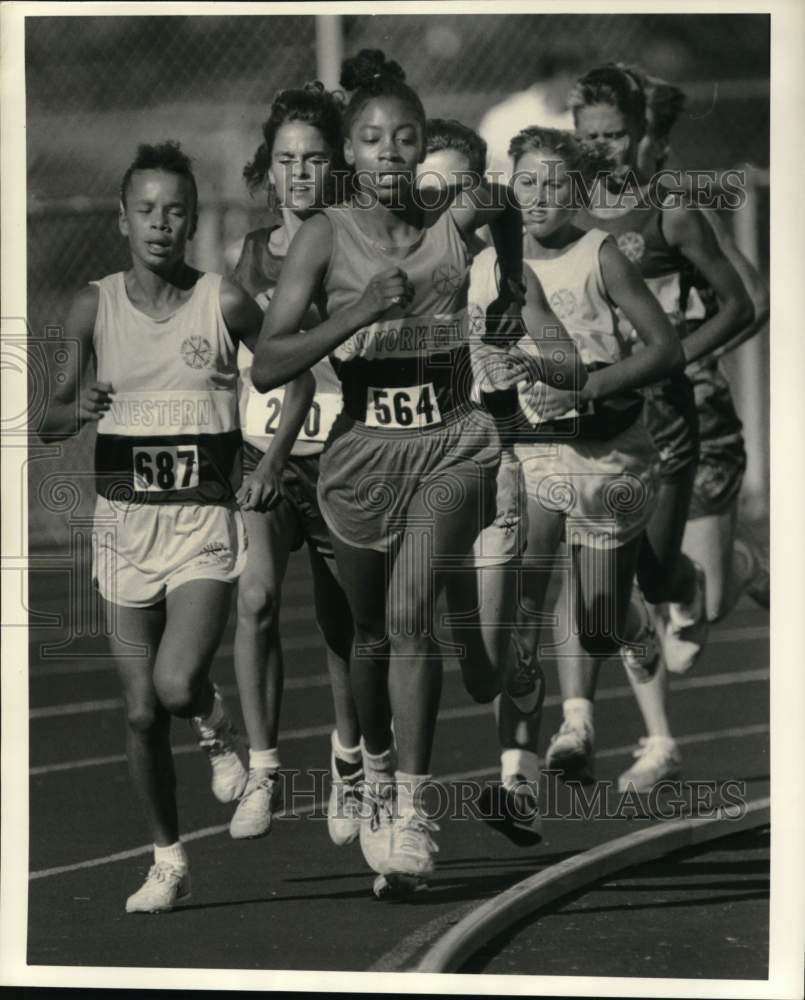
651, 746
350, 797
163, 871
381, 803
259, 782
414, 832
569, 728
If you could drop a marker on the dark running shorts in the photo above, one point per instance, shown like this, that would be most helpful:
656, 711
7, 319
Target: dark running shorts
722, 462
299, 480
368, 477
671, 419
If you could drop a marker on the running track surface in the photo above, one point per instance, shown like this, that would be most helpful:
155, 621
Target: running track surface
294, 901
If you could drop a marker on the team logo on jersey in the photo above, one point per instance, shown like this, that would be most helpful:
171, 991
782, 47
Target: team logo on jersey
563, 303
446, 279
476, 320
197, 352
632, 245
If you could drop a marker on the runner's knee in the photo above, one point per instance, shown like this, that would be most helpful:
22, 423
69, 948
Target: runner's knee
177, 694
258, 604
143, 718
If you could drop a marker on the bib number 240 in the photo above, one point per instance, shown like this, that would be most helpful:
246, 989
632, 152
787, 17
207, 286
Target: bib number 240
402, 408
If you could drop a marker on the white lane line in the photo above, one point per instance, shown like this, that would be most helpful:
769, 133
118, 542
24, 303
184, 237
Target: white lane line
316, 680
313, 642
463, 712
211, 831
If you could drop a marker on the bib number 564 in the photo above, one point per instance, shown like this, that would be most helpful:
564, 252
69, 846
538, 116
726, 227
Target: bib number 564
401, 408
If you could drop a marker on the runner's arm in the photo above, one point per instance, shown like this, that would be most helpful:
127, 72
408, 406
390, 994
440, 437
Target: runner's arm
662, 354
242, 315
753, 283
687, 230
281, 353
78, 399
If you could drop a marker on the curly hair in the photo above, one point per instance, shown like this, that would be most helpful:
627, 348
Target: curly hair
311, 105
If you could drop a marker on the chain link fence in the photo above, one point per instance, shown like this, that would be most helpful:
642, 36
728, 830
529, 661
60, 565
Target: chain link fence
98, 86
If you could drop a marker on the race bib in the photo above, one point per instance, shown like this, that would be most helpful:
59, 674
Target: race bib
402, 408
165, 467
263, 412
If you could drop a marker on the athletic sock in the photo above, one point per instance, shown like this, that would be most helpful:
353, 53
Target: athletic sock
378, 769
409, 792
264, 760
174, 855
578, 711
518, 763
348, 760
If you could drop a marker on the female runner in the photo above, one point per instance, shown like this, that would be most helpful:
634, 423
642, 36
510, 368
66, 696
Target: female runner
667, 239
407, 475
284, 432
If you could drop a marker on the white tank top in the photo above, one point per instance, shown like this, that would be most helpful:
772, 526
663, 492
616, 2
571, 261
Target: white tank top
575, 290
172, 433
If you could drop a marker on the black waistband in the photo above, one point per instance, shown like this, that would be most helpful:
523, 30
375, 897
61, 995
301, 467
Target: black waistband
217, 472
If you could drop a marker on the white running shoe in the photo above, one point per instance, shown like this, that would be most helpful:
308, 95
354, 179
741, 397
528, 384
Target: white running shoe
641, 654
377, 814
257, 805
412, 847
165, 885
229, 776
685, 628
657, 757
344, 805
570, 752
524, 681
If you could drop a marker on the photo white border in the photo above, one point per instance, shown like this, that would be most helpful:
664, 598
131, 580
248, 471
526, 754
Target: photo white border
787, 923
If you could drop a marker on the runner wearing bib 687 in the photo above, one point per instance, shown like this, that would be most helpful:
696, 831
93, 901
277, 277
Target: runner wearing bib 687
168, 541
407, 476
284, 432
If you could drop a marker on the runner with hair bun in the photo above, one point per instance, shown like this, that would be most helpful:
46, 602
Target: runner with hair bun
407, 475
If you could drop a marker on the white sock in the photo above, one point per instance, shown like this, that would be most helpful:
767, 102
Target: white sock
578, 711
350, 755
409, 791
517, 762
377, 768
264, 760
174, 855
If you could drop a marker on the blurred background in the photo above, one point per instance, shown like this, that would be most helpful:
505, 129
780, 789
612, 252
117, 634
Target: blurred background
98, 86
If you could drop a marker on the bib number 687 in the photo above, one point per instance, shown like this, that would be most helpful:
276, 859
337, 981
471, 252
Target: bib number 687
165, 468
